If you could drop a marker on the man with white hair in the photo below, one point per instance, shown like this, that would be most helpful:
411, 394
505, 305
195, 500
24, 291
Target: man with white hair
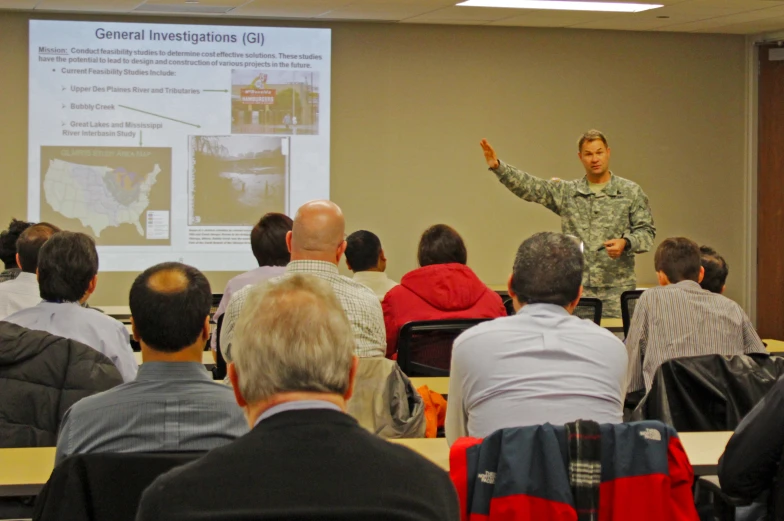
305, 458
317, 242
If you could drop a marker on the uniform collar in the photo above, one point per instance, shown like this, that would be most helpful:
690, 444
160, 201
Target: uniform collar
612, 188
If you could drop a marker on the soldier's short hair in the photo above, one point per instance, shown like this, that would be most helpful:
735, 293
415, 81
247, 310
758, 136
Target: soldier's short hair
679, 259
548, 269
591, 135
716, 270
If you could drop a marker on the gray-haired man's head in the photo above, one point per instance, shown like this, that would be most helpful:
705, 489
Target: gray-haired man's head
548, 269
292, 336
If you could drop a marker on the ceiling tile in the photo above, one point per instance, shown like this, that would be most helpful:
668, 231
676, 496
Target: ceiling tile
224, 3
385, 10
543, 18
711, 23
17, 4
289, 8
103, 6
484, 14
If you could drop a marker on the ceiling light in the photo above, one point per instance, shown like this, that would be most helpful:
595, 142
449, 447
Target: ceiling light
562, 5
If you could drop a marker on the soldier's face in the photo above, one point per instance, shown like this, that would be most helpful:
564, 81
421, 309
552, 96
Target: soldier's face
595, 157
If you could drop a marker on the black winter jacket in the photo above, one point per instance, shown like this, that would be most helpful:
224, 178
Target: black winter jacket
41, 376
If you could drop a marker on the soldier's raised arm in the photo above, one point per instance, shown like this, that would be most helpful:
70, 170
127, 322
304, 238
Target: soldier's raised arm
548, 193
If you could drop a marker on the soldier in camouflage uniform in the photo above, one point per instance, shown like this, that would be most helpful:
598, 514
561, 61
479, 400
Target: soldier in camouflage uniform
609, 214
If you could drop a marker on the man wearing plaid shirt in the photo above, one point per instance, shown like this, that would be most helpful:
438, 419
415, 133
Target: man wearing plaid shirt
316, 243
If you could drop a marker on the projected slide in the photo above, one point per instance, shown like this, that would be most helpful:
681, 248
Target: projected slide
168, 142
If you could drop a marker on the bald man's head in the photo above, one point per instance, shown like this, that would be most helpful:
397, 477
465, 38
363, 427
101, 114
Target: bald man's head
318, 232
169, 305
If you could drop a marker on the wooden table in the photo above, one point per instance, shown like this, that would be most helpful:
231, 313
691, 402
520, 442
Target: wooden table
704, 450
206, 358
434, 449
24, 471
613, 324
439, 384
774, 346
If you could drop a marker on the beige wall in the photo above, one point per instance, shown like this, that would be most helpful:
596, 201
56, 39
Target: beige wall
411, 102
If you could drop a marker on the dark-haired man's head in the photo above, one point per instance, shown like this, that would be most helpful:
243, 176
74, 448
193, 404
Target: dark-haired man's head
548, 269
268, 239
364, 252
716, 270
441, 244
67, 267
29, 244
8, 240
678, 259
170, 312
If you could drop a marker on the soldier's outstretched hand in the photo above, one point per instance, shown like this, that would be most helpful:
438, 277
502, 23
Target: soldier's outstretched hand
490, 157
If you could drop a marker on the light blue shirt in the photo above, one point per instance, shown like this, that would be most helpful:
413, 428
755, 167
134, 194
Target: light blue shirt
298, 405
541, 365
171, 406
88, 326
249, 278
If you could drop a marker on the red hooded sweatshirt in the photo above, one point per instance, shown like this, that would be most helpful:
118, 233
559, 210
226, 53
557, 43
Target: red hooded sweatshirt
438, 292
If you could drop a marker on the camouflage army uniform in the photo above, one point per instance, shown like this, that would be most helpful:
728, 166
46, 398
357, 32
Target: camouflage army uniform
619, 210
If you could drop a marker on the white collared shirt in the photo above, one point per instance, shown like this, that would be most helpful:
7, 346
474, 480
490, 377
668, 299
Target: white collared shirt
375, 280
19, 293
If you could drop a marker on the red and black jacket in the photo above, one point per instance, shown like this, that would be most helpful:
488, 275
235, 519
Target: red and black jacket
522, 474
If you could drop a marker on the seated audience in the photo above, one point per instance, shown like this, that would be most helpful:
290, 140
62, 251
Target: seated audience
41, 376
751, 462
8, 240
22, 292
443, 287
316, 243
680, 319
305, 458
542, 364
268, 243
67, 276
365, 257
716, 270
173, 405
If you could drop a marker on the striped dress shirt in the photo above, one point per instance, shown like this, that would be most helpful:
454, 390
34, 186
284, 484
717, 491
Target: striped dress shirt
171, 406
358, 301
682, 320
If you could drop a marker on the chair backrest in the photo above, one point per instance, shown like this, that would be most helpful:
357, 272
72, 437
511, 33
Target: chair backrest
509, 305
216, 300
589, 308
103, 486
219, 371
710, 392
424, 348
628, 302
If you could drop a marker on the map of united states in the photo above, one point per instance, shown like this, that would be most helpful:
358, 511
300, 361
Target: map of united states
99, 196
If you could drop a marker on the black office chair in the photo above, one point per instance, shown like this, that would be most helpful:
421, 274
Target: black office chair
509, 305
216, 300
103, 486
424, 348
219, 371
589, 308
628, 303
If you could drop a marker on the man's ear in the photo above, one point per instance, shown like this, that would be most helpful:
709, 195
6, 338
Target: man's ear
341, 250
381, 256
723, 289
515, 300
702, 274
234, 378
352, 375
18, 262
663, 280
134, 333
205, 331
288, 240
